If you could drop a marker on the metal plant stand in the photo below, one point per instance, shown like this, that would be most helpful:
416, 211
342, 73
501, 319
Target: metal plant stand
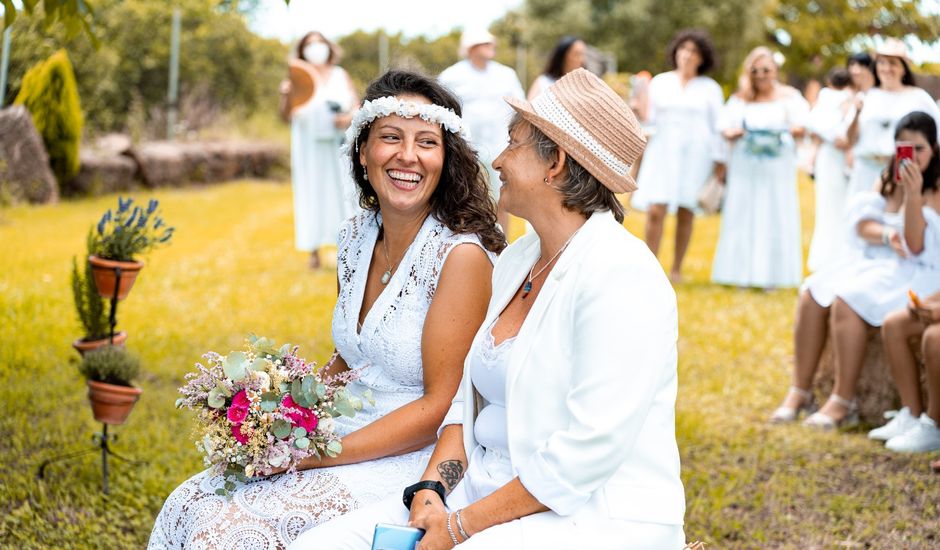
101, 440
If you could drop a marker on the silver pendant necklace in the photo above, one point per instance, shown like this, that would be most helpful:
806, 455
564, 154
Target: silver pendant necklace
387, 276
527, 287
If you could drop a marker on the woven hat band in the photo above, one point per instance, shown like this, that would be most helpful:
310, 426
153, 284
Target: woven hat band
547, 106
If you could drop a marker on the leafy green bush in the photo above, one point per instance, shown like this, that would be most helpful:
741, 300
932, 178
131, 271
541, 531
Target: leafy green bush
111, 365
89, 305
50, 94
128, 232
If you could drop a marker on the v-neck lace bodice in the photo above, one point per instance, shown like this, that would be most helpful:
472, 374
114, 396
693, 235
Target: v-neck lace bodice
388, 347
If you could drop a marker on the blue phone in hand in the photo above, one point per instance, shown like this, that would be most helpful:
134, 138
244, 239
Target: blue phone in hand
395, 537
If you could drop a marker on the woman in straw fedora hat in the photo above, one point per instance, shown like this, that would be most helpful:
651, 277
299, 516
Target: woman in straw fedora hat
556, 438
876, 114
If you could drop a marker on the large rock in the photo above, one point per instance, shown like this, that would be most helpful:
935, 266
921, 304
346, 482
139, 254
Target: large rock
24, 164
875, 392
173, 164
102, 173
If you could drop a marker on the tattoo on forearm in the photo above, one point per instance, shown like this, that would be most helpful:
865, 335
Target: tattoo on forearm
451, 471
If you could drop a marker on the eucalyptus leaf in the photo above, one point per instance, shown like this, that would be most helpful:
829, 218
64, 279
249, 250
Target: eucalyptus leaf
369, 397
321, 391
285, 387
308, 384
235, 366
259, 364
229, 486
216, 399
179, 403
300, 431
344, 408
284, 350
223, 389
281, 428
302, 443
334, 448
221, 492
252, 338
269, 401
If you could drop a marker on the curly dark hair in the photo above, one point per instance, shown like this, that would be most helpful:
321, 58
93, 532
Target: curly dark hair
702, 41
925, 125
462, 198
555, 65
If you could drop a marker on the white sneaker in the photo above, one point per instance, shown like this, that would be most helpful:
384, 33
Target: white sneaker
923, 437
901, 423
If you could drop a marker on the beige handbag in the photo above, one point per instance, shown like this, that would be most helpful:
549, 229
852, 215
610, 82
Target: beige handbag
711, 195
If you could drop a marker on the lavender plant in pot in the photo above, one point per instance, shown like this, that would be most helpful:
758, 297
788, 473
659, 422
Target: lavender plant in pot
119, 238
109, 372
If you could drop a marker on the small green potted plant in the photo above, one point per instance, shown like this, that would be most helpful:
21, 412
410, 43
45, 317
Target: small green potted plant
118, 239
109, 371
92, 312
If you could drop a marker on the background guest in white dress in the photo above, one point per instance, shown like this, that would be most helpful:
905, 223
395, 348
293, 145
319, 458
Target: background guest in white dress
875, 115
825, 125
760, 243
685, 147
574, 444
567, 55
430, 224
324, 195
871, 229
868, 297
481, 84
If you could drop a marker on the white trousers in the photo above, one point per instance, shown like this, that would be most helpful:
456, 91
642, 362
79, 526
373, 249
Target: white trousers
542, 531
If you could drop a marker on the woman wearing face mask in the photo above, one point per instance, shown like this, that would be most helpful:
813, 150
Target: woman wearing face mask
876, 114
760, 242
567, 55
324, 196
865, 299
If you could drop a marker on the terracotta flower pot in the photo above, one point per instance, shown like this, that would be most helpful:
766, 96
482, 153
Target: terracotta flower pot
112, 404
105, 274
83, 346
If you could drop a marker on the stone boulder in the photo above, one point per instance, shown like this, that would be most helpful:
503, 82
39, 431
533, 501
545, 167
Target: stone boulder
165, 163
103, 172
24, 164
161, 163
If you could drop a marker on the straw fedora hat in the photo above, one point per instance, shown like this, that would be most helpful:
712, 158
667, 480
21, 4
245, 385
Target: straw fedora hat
892, 47
591, 123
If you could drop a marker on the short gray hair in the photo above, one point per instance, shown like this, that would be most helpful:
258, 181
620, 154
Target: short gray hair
581, 192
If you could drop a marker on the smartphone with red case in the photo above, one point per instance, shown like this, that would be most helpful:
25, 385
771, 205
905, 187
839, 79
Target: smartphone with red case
903, 150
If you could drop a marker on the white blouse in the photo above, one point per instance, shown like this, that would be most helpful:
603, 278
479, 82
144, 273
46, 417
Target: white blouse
880, 114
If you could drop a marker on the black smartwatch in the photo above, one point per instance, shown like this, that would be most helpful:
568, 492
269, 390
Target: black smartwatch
409, 494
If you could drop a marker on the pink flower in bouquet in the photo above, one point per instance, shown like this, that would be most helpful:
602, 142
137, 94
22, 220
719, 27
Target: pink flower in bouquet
238, 434
239, 408
300, 416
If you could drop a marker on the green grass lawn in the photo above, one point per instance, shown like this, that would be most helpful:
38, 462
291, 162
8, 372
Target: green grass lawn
232, 270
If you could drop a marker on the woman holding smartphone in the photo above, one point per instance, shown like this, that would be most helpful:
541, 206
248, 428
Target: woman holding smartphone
868, 297
876, 114
874, 224
556, 438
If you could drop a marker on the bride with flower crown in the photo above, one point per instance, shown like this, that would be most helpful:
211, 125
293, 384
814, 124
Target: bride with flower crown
414, 272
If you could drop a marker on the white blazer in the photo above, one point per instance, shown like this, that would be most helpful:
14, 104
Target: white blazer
591, 379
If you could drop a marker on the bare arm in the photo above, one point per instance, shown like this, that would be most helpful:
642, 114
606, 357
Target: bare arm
447, 465
453, 319
912, 182
283, 107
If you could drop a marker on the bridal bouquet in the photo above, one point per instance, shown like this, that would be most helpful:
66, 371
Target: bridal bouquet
264, 409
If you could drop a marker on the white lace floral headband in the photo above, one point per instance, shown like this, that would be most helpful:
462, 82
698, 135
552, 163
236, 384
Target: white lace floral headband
389, 105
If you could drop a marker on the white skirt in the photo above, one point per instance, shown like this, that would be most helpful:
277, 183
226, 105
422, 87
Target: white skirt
831, 195
865, 174
879, 289
672, 172
760, 242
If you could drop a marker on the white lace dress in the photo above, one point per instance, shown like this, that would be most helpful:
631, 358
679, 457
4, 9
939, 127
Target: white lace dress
270, 513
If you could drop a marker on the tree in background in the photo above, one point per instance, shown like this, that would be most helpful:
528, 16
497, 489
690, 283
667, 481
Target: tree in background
224, 67
50, 95
814, 35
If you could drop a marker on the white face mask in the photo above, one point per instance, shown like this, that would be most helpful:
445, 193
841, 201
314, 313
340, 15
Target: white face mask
317, 53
